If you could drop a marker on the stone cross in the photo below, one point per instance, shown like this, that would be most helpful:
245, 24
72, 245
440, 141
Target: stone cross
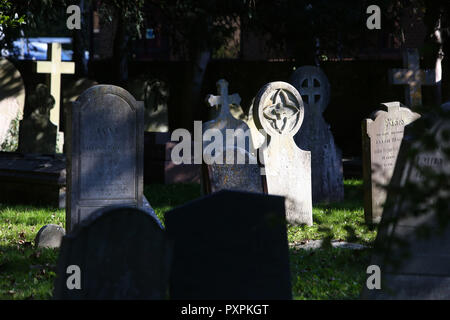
55, 67
413, 77
223, 99
225, 119
234, 166
279, 111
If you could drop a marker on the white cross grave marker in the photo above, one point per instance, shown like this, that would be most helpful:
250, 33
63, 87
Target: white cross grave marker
413, 77
55, 67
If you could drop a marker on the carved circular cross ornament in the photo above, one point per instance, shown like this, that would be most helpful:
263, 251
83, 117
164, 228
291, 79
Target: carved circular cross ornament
313, 85
279, 109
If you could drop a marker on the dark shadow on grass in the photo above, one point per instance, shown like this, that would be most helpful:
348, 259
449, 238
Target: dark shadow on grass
160, 195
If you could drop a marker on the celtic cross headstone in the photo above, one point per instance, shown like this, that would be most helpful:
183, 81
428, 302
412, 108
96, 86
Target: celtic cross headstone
316, 136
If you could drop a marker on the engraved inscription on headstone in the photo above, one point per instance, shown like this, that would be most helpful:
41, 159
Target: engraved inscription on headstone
413, 239
381, 136
105, 152
238, 177
316, 136
278, 110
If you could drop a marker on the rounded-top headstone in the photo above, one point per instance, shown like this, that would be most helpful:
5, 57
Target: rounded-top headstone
280, 109
313, 85
49, 236
12, 97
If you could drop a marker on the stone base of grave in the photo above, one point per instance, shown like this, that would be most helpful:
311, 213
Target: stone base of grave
158, 167
33, 179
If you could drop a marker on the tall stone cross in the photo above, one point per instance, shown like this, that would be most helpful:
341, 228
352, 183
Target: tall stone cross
55, 67
413, 77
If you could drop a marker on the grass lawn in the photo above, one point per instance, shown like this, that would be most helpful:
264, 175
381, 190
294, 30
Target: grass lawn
28, 273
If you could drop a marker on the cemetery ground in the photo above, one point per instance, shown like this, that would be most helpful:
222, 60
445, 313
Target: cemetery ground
27, 272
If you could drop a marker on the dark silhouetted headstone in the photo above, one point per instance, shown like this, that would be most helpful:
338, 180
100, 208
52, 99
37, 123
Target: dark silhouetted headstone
121, 253
316, 136
412, 247
37, 133
104, 152
230, 245
382, 135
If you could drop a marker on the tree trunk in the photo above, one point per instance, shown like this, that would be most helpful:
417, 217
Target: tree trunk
80, 39
120, 54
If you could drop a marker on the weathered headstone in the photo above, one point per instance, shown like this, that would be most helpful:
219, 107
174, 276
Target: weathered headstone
55, 67
382, 135
278, 110
105, 152
155, 93
233, 164
73, 89
37, 134
121, 253
316, 136
234, 176
413, 241
49, 236
12, 101
412, 77
229, 245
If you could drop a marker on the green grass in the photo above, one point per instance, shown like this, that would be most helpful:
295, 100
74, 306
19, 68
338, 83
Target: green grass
27, 272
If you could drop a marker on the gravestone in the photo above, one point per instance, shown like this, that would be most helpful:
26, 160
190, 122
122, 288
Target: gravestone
55, 68
413, 241
229, 245
122, 253
233, 164
155, 93
37, 134
33, 179
49, 236
278, 110
382, 135
73, 89
412, 77
12, 102
315, 136
105, 152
